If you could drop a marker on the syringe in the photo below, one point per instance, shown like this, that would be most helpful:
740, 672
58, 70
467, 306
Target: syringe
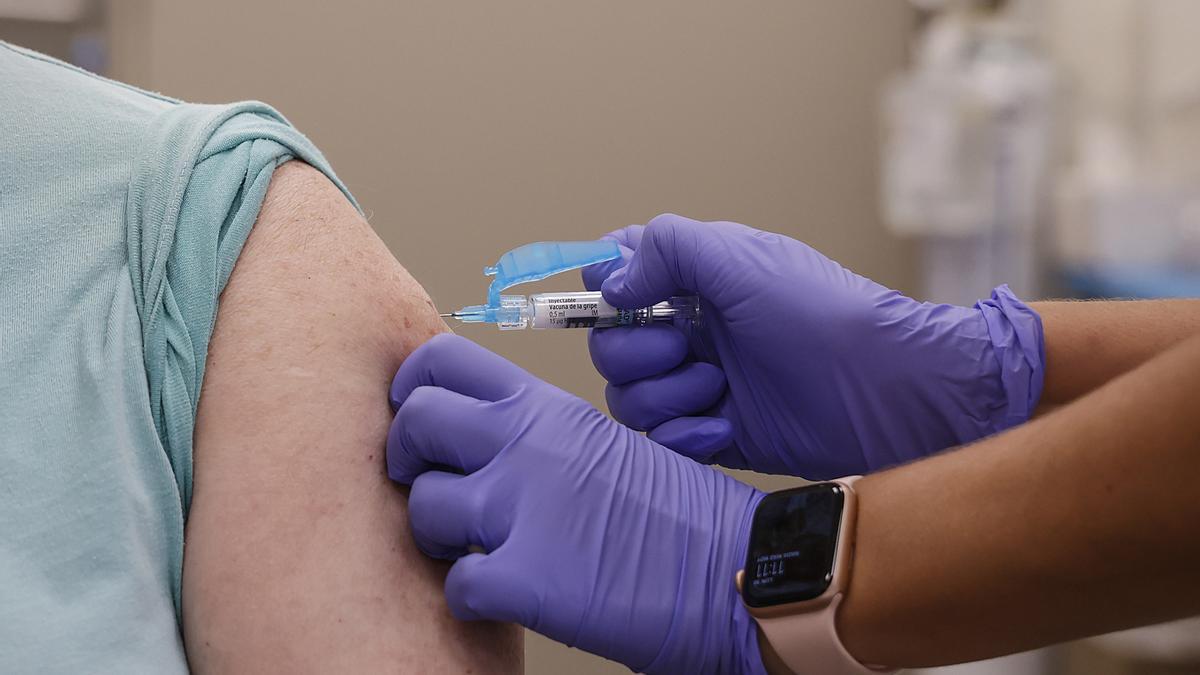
583, 309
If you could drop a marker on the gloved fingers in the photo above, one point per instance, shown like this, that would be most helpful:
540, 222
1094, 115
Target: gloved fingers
456, 363
481, 587
689, 389
437, 427
628, 237
448, 515
697, 437
626, 354
665, 262
594, 275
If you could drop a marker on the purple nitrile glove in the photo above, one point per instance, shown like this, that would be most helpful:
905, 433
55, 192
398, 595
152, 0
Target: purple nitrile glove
593, 535
800, 366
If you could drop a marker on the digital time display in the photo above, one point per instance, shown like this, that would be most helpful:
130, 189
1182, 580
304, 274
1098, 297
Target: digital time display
793, 541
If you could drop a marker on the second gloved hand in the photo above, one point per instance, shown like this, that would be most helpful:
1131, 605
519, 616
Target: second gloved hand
592, 534
801, 366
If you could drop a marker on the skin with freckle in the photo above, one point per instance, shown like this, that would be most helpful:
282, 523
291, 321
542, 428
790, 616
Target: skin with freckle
298, 556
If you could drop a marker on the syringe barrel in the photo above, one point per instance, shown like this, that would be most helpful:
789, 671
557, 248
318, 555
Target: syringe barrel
587, 309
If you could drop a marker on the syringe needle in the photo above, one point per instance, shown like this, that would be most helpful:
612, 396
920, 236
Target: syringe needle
451, 315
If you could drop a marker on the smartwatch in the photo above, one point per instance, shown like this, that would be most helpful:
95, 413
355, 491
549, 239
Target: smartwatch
797, 569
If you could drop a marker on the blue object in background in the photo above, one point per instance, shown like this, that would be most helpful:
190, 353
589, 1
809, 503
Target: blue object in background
1140, 283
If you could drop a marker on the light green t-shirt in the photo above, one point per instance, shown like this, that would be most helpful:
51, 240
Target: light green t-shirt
122, 214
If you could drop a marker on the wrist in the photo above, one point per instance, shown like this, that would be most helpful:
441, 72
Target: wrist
1019, 348
796, 575
713, 632
863, 620
978, 369
944, 376
755, 654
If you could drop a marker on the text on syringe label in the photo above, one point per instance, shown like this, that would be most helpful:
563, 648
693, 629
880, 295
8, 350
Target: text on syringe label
571, 311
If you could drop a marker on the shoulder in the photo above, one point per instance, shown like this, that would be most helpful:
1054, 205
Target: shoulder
311, 242
36, 89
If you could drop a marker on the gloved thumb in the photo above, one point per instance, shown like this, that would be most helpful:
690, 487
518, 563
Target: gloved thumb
663, 264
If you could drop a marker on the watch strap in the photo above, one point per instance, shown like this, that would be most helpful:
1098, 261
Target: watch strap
809, 643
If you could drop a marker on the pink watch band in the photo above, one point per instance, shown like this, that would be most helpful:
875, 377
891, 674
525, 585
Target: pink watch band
808, 642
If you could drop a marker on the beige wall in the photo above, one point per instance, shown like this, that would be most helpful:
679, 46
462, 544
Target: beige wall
468, 128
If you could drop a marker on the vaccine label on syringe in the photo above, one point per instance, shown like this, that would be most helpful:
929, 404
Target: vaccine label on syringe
581, 309
576, 310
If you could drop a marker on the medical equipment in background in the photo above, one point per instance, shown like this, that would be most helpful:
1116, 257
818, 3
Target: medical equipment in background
71, 30
967, 136
582, 309
1127, 205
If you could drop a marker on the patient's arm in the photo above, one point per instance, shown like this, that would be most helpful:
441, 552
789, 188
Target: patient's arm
298, 556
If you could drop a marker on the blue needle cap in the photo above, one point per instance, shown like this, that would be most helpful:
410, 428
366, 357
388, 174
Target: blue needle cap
532, 262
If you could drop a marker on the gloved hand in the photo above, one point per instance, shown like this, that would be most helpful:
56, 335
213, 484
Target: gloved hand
801, 366
593, 535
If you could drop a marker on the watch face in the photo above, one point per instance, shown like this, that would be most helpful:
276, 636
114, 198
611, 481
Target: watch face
793, 541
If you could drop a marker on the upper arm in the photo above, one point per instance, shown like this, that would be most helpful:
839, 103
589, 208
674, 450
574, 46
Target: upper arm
298, 556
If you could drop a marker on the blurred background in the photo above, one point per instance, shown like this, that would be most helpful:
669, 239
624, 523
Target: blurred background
938, 147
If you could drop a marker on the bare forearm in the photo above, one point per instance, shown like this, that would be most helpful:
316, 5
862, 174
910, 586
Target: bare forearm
1090, 343
1081, 522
